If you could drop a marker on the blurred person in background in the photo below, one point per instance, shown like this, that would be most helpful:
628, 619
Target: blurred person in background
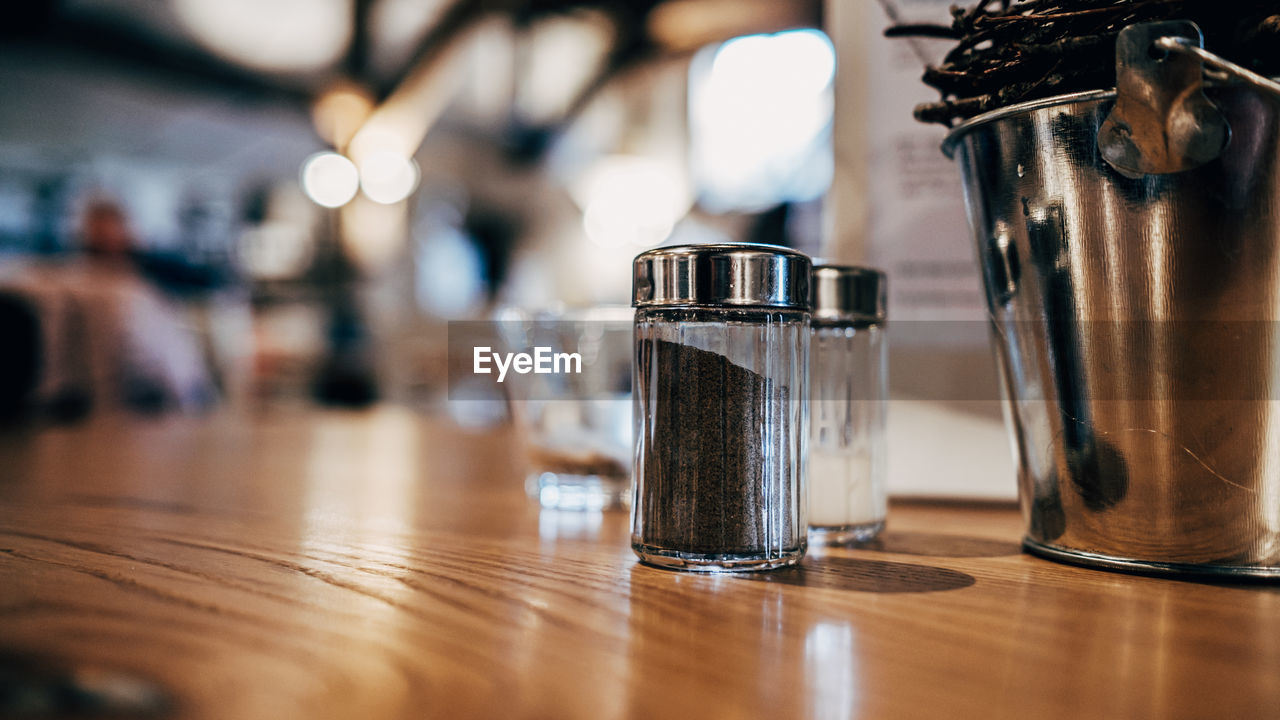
106, 236
94, 333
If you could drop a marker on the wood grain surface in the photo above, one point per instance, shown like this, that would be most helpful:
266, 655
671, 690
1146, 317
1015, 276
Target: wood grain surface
383, 565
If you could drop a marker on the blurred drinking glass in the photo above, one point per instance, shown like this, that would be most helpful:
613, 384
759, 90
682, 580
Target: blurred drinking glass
573, 408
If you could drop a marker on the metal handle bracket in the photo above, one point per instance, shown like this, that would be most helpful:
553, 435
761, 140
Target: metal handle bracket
1162, 121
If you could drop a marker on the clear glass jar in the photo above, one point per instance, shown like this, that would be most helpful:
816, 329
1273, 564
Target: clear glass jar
849, 376
721, 418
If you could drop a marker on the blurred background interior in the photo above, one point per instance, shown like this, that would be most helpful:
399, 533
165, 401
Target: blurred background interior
238, 205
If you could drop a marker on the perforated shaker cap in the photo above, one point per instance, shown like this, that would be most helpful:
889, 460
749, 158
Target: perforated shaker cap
722, 275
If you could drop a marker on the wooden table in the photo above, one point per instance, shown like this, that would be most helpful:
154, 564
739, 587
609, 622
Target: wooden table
383, 565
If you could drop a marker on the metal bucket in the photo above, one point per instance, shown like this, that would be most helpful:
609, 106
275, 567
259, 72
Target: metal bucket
1135, 326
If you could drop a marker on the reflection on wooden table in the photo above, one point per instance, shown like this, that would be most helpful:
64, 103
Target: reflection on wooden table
387, 565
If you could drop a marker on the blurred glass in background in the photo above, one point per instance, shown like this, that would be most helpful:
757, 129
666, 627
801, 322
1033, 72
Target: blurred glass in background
574, 427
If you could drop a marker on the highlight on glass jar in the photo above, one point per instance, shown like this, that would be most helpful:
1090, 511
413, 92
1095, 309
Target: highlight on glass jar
720, 393
849, 381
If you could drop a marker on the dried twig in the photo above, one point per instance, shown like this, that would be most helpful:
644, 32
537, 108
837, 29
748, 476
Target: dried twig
1014, 51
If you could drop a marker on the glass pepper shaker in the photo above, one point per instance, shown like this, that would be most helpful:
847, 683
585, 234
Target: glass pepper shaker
720, 406
849, 376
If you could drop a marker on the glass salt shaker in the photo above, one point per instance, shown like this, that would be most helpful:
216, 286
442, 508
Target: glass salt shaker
849, 376
720, 406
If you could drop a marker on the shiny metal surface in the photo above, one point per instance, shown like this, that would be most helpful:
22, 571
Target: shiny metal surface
1135, 326
848, 294
1147, 567
733, 274
1162, 122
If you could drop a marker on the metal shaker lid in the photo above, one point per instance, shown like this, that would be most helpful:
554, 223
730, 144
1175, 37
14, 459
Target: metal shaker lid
844, 293
730, 274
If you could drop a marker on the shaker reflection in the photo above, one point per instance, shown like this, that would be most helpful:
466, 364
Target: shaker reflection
831, 670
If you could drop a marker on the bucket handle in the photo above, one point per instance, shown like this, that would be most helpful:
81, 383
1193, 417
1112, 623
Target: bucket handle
1162, 121
1227, 69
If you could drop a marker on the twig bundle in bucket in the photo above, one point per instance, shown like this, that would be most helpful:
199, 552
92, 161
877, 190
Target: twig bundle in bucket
1012, 52
1131, 255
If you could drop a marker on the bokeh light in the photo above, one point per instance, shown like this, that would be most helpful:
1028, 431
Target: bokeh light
329, 179
630, 200
388, 177
278, 35
340, 112
760, 112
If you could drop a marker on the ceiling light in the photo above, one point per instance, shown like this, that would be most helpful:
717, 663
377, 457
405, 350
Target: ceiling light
329, 179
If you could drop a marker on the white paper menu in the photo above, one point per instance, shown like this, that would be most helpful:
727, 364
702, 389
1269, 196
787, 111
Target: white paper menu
896, 203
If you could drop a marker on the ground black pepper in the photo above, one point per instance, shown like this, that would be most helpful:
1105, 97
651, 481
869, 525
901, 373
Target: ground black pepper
711, 482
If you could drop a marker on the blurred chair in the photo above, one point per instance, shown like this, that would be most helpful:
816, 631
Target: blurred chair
101, 339
97, 334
